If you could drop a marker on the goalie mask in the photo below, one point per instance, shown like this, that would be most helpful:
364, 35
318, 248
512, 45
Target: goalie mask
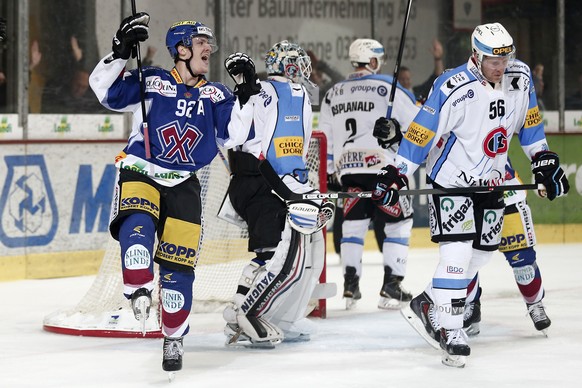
491, 40
290, 61
363, 50
184, 32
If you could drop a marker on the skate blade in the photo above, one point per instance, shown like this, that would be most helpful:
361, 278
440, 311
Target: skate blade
351, 303
453, 360
171, 376
544, 332
473, 330
389, 304
418, 326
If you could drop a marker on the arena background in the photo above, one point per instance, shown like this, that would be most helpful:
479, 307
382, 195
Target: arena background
57, 148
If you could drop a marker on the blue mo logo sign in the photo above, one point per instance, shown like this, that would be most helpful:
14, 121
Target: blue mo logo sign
92, 206
27, 204
28, 209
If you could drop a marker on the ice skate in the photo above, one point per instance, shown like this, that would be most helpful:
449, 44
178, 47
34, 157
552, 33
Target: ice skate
455, 347
141, 301
351, 288
236, 337
421, 315
539, 317
298, 331
172, 357
472, 318
392, 294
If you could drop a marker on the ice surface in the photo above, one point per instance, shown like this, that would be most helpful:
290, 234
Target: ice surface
365, 347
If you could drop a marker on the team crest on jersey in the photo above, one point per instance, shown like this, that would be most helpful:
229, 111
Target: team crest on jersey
211, 92
178, 143
155, 84
496, 142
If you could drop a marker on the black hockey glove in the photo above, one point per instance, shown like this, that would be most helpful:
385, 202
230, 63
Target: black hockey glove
242, 70
388, 181
545, 166
2, 29
387, 131
133, 29
333, 183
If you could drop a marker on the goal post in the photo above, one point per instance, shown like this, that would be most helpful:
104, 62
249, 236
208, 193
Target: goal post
104, 312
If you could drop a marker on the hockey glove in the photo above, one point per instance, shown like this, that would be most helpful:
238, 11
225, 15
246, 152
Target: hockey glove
2, 29
333, 183
388, 181
133, 29
387, 131
242, 70
545, 166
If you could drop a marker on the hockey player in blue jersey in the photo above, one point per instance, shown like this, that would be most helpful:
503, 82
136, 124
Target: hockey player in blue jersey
463, 133
158, 193
348, 118
271, 301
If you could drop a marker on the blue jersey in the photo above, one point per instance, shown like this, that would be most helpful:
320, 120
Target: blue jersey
464, 129
184, 122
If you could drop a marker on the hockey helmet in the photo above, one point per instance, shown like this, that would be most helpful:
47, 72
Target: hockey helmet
182, 33
363, 50
491, 40
288, 60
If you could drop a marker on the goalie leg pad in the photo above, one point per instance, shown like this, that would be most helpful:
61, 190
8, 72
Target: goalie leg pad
293, 310
259, 329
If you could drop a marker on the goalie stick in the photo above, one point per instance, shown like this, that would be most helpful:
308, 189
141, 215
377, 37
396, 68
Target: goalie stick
281, 189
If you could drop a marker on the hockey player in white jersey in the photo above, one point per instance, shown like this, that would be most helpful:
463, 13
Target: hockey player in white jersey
158, 193
463, 132
348, 117
271, 301
518, 239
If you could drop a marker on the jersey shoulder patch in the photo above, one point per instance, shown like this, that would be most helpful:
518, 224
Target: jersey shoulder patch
452, 80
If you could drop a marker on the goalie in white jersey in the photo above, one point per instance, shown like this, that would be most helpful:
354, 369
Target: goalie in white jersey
463, 132
273, 293
348, 117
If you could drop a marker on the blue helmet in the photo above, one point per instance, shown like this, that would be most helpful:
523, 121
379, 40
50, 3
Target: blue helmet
181, 33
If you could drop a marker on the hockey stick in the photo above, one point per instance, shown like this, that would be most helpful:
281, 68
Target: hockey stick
398, 60
146, 135
284, 192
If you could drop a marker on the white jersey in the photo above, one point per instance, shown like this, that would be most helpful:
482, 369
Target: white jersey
464, 129
278, 127
348, 113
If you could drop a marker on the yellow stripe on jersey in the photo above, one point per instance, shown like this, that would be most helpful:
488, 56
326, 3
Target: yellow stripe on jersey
419, 135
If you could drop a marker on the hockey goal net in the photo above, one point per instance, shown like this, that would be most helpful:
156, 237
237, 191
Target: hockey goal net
104, 311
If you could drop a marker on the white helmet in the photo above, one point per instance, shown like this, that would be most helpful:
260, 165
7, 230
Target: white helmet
491, 40
288, 60
363, 50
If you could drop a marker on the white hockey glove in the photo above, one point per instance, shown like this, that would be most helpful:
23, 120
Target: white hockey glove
307, 217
